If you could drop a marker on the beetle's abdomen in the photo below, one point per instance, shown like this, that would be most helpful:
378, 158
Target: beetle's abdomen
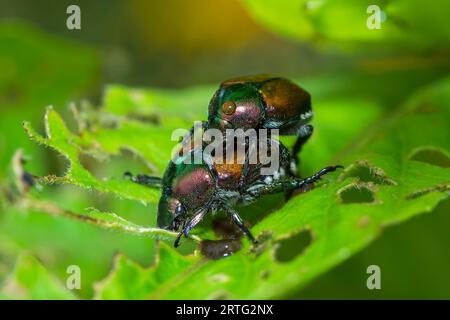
285, 101
194, 188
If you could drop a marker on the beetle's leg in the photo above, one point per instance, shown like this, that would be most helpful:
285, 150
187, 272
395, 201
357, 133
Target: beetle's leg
189, 226
304, 134
284, 157
288, 184
177, 240
144, 179
240, 223
177, 222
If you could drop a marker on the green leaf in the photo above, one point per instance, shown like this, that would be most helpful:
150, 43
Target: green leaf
106, 220
384, 182
168, 266
71, 146
393, 172
30, 280
151, 143
37, 69
404, 22
163, 104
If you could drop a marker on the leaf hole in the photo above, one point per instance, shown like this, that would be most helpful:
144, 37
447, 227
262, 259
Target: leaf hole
265, 274
356, 193
290, 248
433, 156
365, 172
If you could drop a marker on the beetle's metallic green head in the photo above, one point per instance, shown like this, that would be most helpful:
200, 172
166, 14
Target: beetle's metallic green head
235, 105
260, 101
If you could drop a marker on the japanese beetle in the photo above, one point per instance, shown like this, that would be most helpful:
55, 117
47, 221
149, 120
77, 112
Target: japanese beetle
192, 190
260, 101
263, 101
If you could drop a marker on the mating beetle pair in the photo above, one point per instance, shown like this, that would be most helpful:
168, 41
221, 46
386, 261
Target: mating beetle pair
192, 190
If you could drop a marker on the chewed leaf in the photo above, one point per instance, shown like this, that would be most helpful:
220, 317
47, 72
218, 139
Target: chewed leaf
378, 161
165, 106
131, 281
109, 141
69, 145
106, 220
150, 142
433, 156
381, 185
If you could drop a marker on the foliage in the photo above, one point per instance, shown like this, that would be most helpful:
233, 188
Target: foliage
404, 23
395, 153
385, 182
378, 164
30, 280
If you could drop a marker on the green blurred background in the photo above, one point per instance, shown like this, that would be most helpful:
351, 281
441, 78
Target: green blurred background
174, 44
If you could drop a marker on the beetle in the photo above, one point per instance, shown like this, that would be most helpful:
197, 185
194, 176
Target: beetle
190, 191
263, 101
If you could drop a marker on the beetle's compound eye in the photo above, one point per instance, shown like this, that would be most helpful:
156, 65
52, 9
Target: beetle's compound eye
175, 207
179, 210
228, 108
